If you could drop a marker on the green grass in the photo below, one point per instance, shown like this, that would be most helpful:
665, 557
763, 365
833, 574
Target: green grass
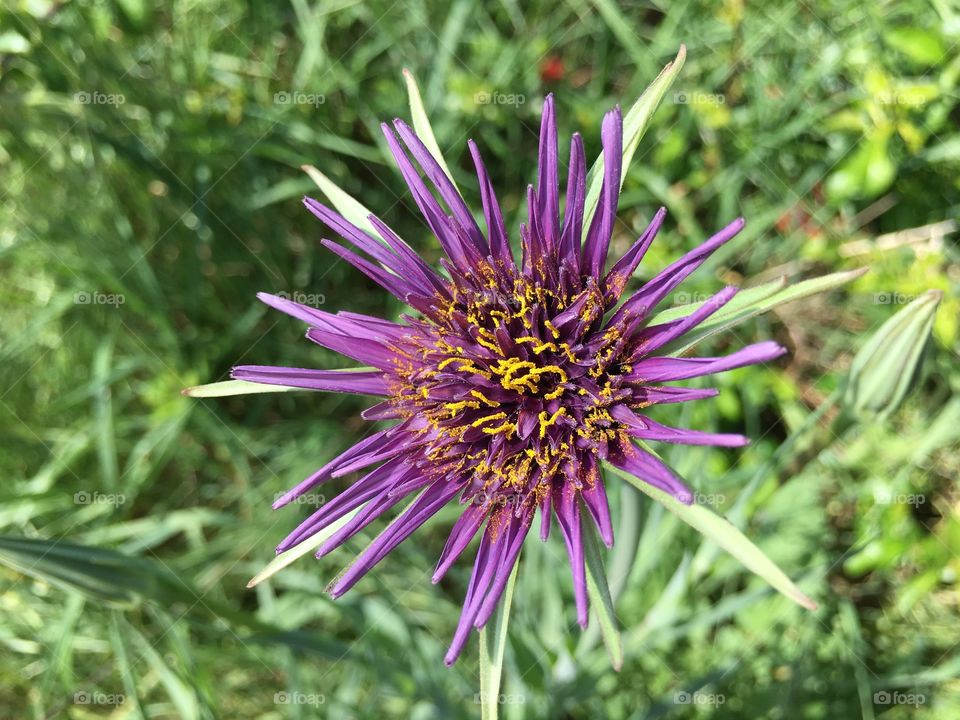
827, 125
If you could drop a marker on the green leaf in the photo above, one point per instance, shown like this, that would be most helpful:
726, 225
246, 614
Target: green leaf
234, 387
883, 371
749, 303
421, 123
921, 46
866, 173
601, 600
634, 125
493, 641
353, 210
106, 576
726, 535
286, 558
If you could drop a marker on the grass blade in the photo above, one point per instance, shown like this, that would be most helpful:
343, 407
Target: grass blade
600, 598
718, 529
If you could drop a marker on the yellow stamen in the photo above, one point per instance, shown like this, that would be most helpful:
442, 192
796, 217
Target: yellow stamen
546, 421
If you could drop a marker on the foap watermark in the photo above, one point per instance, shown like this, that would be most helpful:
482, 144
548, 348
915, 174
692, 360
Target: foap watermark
95, 97
885, 697
85, 297
687, 298
298, 698
306, 499
501, 699
95, 697
85, 497
698, 698
302, 298
888, 497
296, 97
893, 298
496, 97
713, 500
506, 499
695, 97
905, 98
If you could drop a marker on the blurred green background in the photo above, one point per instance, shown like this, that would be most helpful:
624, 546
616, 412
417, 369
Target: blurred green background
150, 159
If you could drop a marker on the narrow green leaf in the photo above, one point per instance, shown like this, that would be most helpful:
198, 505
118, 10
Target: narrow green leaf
743, 300
118, 640
726, 535
105, 576
600, 598
345, 204
493, 641
749, 303
634, 125
421, 123
233, 387
883, 371
286, 558
183, 698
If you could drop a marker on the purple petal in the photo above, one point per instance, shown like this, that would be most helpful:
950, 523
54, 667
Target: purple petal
430, 209
646, 429
419, 511
488, 557
568, 518
395, 285
654, 337
376, 440
644, 300
667, 369
548, 192
443, 184
666, 394
460, 536
631, 459
626, 266
595, 498
516, 534
359, 382
573, 210
369, 352
597, 242
499, 242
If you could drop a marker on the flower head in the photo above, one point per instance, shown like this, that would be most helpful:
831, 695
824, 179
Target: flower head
514, 379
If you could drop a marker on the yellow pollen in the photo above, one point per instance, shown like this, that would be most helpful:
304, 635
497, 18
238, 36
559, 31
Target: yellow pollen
545, 346
480, 396
488, 418
455, 407
509, 427
546, 421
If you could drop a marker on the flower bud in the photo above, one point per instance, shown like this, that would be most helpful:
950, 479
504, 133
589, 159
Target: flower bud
884, 370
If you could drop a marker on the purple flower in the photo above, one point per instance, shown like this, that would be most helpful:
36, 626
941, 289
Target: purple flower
513, 380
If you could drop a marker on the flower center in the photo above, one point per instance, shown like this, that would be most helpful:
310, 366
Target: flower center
508, 381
